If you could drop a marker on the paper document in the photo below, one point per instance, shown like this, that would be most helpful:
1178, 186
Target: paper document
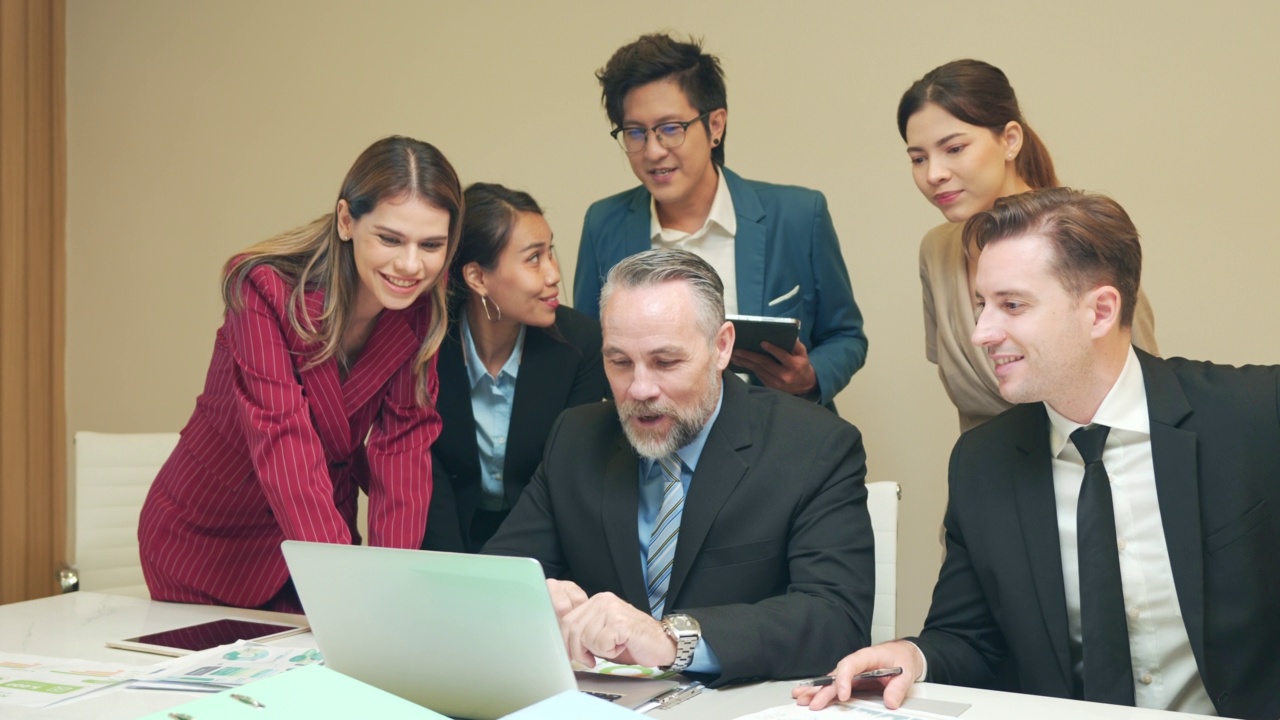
573, 705
308, 693
229, 666
856, 710
608, 667
38, 682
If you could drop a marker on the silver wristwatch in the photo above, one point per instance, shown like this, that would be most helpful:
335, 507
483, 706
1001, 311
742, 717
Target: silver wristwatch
686, 632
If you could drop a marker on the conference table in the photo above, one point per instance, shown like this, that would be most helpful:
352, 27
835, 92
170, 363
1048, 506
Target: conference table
77, 625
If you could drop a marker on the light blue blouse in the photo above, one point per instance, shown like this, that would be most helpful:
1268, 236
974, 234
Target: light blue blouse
491, 401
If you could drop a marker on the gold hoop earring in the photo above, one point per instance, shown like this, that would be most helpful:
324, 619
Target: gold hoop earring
484, 302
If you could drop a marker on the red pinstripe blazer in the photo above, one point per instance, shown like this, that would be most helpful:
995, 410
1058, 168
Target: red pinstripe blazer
274, 451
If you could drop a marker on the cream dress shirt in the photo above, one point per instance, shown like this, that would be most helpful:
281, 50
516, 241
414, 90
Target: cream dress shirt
713, 242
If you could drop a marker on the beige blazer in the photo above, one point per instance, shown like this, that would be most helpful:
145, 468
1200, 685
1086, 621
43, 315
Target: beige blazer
949, 320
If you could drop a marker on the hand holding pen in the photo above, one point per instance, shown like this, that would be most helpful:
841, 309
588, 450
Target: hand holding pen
823, 680
893, 666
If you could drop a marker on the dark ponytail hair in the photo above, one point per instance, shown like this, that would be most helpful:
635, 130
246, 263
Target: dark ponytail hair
978, 93
492, 211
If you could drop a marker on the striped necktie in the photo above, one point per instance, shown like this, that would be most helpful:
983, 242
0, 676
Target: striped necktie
666, 526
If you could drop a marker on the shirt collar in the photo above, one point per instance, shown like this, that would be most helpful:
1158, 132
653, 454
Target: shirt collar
721, 214
1124, 408
471, 358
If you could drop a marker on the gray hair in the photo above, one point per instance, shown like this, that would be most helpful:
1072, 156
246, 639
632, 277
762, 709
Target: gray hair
654, 267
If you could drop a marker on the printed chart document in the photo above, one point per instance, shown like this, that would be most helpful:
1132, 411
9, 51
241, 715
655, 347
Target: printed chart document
38, 682
229, 666
308, 693
609, 667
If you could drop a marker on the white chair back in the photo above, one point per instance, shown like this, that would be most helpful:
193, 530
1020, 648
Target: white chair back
113, 473
882, 503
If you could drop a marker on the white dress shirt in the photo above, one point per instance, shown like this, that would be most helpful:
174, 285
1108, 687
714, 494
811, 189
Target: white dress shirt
713, 242
1164, 668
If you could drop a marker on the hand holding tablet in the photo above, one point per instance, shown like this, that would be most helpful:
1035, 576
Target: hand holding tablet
752, 330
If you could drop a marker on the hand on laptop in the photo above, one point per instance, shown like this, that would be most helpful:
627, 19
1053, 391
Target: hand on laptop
894, 654
565, 596
607, 626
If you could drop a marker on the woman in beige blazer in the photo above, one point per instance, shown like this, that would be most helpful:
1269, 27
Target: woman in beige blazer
969, 146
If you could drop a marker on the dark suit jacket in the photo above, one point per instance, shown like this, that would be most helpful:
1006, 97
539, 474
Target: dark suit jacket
785, 242
1215, 440
775, 553
554, 375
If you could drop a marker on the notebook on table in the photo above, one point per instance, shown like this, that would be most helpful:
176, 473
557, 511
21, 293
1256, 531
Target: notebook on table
470, 636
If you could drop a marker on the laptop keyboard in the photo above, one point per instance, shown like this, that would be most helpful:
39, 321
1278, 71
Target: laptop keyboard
611, 697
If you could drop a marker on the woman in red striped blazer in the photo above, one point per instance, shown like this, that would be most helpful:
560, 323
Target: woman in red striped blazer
323, 382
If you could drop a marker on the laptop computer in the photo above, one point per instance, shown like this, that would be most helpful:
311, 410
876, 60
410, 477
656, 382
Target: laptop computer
470, 636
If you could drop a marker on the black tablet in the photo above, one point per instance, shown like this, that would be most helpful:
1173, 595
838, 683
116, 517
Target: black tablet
194, 638
752, 330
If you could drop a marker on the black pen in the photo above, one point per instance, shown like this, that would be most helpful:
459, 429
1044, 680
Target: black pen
828, 679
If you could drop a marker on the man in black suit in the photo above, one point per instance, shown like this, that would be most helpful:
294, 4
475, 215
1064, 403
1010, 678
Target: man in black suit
1113, 538
695, 522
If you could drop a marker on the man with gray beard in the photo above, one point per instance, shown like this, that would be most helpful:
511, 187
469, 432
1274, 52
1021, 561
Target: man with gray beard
696, 523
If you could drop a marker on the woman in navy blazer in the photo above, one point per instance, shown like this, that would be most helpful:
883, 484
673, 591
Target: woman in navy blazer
512, 361
322, 383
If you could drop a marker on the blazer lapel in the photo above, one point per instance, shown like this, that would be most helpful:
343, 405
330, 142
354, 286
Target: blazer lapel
1031, 474
324, 395
637, 236
391, 345
748, 245
720, 468
539, 397
619, 509
1173, 453
457, 439
323, 390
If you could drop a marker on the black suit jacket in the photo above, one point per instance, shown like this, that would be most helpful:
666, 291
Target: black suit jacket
999, 612
554, 374
775, 553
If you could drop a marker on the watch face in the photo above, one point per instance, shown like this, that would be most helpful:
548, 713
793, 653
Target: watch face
682, 623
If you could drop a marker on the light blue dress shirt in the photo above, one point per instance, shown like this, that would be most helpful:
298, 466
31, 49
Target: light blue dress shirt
491, 400
704, 658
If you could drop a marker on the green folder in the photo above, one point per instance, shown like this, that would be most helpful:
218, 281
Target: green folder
313, 692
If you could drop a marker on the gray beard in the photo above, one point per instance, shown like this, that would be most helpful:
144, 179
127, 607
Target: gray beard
688, 422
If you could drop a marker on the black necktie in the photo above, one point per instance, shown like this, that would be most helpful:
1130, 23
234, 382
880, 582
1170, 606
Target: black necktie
1108, 669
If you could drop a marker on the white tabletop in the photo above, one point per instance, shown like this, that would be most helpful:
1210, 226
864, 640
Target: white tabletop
78, 625
735, 702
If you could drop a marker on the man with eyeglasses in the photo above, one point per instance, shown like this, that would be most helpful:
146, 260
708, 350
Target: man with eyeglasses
774, 246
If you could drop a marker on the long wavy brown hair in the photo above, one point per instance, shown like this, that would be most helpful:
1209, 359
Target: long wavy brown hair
313, 257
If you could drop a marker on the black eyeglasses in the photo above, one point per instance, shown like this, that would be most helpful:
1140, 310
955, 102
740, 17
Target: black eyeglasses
669, 134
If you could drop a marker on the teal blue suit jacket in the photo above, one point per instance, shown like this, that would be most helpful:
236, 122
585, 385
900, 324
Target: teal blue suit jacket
785, 247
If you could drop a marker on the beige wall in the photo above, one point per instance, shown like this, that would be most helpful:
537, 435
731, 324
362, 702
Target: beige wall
196, 128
